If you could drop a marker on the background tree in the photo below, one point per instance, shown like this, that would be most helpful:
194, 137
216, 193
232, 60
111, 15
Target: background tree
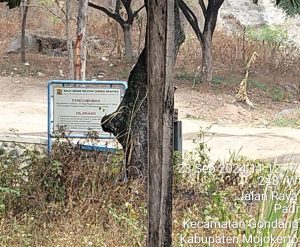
125, 22
25, 4
80, 65
64, 15
13, 4
69, 39
210, 13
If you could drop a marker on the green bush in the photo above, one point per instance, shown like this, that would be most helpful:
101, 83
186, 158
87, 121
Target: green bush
271, 34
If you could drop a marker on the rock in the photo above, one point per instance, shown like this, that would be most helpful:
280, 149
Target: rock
61, 72
233, 19
5, 145
20, 150
30, 44
105, 59
14, 153
40, 74
12, 145
289, 113
100, 72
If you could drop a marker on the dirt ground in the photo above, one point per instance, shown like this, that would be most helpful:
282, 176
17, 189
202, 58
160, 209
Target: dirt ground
23, 109
27, 98
215, 104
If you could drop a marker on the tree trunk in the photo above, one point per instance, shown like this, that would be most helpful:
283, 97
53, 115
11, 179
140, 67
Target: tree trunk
207, 59
156, 71
160, 121
23, 31
128, 43
69, 39
80, 66
129, 122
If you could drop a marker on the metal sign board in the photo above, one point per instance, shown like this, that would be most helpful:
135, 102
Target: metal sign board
78, 107
82, 109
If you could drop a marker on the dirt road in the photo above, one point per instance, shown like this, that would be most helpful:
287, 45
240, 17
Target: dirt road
23, 107
282, 144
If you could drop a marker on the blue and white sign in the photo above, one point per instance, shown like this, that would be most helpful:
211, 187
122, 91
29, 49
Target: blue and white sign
77, 107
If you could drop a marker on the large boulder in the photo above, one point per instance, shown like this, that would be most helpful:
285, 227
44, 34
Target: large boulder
30, 44
50, 45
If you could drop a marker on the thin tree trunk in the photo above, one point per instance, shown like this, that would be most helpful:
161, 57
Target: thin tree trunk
207, 59
80, 66
128, 44
69, 39
23, 31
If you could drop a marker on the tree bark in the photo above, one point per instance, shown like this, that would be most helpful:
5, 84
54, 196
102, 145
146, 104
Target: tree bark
129, 122
69, 39
156, 71
210, 12
207, 59
128, 43
160, 52
80, 66
23, 31
211, 17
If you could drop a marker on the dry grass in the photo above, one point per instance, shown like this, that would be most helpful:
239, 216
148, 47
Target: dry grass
78, 198
232, 52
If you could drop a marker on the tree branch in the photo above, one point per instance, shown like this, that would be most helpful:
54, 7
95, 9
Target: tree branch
191, 18
53, 13
114, 16
130, 17
118, 6
219, 3
60, 7
135, 13
203, 8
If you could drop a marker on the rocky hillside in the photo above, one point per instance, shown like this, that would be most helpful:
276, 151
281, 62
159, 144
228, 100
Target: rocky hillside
237, 14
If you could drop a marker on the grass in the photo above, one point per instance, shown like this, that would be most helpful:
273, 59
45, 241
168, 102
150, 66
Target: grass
218, 80
76, 198
192, 117
271, 34
184, 75
287, 122
260, 85
277, 93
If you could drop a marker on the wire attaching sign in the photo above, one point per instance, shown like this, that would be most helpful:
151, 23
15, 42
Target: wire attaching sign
77, 107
